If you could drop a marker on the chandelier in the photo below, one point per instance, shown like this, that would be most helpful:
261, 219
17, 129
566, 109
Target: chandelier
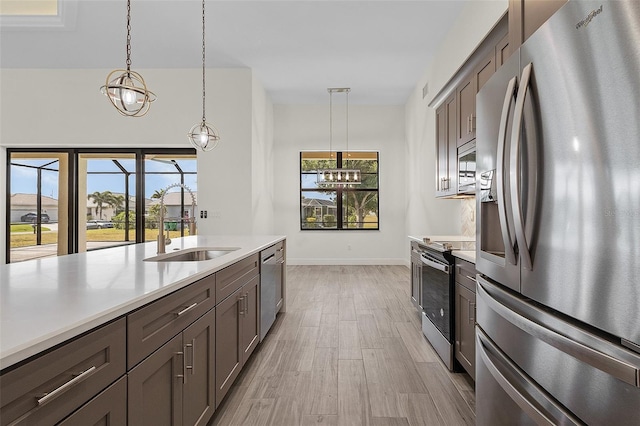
126, 89
338, 176
202, 135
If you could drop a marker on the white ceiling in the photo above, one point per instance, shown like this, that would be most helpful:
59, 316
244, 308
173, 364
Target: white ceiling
296, 48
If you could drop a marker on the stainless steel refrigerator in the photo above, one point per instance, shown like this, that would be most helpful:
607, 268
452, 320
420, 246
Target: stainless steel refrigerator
558, 230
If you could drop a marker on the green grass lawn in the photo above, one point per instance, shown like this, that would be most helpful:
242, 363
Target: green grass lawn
25, 228
111, 234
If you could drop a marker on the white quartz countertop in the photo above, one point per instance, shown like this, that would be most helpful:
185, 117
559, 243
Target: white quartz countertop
468, 255
48, 301
437, 238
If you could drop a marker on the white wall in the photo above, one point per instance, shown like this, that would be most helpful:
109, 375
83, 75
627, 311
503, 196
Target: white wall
426, 215
262, 160
374, 128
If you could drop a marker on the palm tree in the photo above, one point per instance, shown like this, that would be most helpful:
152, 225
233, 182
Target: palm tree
158, 193
105, 198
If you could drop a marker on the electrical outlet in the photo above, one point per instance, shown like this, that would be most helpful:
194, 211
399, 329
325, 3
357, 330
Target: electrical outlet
201, 214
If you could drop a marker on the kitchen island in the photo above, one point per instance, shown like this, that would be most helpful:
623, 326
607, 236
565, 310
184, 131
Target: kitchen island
48, 301
122, 334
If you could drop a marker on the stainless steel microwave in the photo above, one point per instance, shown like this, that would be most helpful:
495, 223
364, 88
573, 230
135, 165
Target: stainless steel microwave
467, 168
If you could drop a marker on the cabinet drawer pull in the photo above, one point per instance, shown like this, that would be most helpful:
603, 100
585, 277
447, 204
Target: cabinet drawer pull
282, 261
182, 376
471, 278
187, 366
54, 393
472, 312
193, 356
241, 301
187, 309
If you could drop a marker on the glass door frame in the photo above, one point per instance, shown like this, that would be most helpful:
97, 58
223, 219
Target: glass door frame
72, 186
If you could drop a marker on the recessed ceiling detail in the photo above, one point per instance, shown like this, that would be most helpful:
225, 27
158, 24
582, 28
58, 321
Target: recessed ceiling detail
21, 15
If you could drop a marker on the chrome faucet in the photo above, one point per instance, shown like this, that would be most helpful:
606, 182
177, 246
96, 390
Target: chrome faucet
165, 240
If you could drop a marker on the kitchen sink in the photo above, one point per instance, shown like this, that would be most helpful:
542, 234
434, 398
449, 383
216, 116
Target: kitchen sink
193, 255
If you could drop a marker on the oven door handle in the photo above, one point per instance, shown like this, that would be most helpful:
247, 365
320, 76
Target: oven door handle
435, 265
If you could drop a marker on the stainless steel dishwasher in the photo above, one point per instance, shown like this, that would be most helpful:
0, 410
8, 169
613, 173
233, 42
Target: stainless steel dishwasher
269, 268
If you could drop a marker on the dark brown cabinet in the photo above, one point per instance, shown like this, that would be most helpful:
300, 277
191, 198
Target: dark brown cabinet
150, 327
175, 384
237, 334
466, 98
109, 408
465, 317
155, 387
456, 112
446, 148
169, 362
526, 16
199, 398
503, 51
54, 385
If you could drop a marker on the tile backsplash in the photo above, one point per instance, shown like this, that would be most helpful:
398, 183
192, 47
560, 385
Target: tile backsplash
468, 217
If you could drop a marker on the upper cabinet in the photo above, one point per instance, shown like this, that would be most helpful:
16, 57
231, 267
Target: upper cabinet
466, 97
502, 51
446, 148
456, 112
526, 16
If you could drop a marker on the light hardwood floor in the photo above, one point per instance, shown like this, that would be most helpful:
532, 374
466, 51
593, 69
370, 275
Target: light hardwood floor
348, 351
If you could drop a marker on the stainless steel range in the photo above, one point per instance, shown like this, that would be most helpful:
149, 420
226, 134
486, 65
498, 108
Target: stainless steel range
437, 280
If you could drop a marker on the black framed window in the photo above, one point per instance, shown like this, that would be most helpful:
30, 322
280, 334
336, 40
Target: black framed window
69, 200
340, 206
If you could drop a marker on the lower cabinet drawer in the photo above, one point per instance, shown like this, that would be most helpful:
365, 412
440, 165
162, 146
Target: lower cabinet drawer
50, 387
153, 325
466, 274
109, 408
235, 276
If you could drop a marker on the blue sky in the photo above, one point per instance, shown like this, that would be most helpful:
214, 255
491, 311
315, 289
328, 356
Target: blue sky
24, 179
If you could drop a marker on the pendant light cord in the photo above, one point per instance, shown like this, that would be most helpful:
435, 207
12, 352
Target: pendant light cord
128, 36
331, 125
203, 65
347, 126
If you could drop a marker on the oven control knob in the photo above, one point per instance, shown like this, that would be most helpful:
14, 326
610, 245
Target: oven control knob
441, 312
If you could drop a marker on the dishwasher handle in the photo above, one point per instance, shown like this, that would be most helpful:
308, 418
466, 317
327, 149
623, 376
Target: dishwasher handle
435, 265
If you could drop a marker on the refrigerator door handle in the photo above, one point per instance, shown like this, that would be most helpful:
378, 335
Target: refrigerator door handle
502, 210
580, 351
492, 359
514, 169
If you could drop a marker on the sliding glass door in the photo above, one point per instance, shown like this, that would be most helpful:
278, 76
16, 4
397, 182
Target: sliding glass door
38, 197
63, 201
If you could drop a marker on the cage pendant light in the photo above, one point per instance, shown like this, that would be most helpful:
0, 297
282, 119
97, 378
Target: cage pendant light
126, 89
338, 176
203, 136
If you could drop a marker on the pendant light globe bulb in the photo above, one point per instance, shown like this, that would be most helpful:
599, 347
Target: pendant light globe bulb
203, 136
129, 97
